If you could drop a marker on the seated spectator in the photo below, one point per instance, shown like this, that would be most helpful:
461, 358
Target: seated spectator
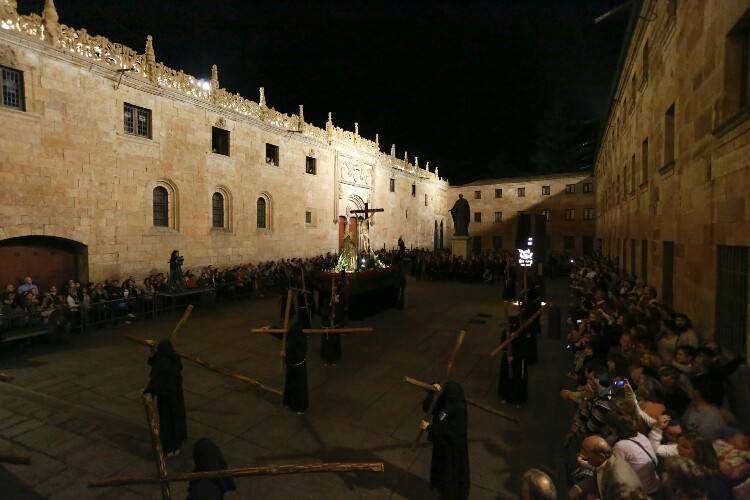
685, 329
702, 416
733, 454
27, 286
684, 480
700, 450
536, 485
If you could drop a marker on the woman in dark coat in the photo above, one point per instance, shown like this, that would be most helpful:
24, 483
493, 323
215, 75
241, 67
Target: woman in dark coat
166, 385
295, 350
513, 384
207, 457
449, 472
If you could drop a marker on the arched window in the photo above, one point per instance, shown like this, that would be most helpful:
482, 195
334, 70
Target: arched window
261, 205
161, 206
217, 208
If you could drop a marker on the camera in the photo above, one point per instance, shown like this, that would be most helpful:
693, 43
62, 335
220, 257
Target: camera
569, 347
620, 383
579, 321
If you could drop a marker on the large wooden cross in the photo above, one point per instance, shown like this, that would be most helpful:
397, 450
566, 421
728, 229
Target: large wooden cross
367, 211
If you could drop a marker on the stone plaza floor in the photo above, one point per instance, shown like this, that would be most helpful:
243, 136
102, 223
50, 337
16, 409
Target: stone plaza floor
76, 409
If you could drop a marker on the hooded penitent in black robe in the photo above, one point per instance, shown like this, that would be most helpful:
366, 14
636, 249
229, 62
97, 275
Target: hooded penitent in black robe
330, 343
295, 384
529, 308
166, 385
513, 384
207, 456
449, 472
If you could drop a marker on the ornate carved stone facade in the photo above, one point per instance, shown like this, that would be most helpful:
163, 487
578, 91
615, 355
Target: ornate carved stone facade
71, 168
673, 168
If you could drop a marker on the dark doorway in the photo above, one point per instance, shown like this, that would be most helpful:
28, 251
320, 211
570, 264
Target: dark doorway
667, 274
731, 298
588, 245
48, 260
435, 238
342, 231
353, 231
441, 235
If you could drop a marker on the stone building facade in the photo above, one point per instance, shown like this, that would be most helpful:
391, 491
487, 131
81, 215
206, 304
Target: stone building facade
673, 166
117, 159
566, 200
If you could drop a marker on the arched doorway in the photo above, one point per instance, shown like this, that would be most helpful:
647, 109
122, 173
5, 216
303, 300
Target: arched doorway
47, 259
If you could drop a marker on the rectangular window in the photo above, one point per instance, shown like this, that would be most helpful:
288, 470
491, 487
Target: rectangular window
477, 216
669, 139
137, 120
477, 195
392, 185
498, 193
220, 141
545, 190
547, 215
588, 214
497, 243
588, 187
414, 190
308, 217
272, 155
311, 165
570, 214
632, 175
12, 90
498, 217
425, 200
732, 269
521, 192
737, 68
570, 188
645, 61
569, 242
644, 162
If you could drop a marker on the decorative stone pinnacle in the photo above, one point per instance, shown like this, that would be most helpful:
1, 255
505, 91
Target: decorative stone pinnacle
330, 118
437, 174
406, 157
393, 150
356, 128
427, 167
416, 161
150, 59
377, 139
50, 22
8, 6
302, 113
262, 98
214, 77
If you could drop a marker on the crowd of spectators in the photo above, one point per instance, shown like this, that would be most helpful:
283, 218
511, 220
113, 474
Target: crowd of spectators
441, 265
658, 411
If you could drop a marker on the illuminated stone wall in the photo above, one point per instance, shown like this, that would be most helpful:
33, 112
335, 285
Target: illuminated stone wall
680, 176
533, 201
69, 169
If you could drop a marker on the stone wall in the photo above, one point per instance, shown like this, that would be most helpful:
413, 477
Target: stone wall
534, 201
69, 170
679, 176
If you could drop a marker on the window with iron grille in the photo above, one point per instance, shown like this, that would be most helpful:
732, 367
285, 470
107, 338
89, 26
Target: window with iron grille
414, 190
545, 190
161, 206
588, 214
272, 155
392, 186
477, 195
137, 121
669, 136
570, 188
477, 216
498, 193
311, 165
498, 217
521, 192
547, 215
570, 214
12, 81
261, 217
217, 207
588, 187
308, 217
425, 200
220, 141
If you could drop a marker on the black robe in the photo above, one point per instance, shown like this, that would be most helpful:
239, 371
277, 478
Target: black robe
449, 470
207, 457
295, 383
330, 343
535, 329
166, 385
513, 384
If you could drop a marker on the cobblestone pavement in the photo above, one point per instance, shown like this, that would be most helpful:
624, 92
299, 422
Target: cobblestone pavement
76, 410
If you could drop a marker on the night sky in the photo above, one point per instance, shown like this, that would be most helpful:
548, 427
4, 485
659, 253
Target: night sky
462, 84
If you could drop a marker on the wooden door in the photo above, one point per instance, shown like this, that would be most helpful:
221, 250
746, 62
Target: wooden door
47, 266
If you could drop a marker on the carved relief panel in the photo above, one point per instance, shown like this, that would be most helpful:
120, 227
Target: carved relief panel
355, 172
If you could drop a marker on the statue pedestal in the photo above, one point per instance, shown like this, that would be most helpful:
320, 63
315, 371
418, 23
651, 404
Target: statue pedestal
460, 246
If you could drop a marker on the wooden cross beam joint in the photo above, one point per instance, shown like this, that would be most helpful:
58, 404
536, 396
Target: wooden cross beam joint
367, 211
525, 326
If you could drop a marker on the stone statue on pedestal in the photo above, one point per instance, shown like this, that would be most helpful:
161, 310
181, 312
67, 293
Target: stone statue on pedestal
460, 213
